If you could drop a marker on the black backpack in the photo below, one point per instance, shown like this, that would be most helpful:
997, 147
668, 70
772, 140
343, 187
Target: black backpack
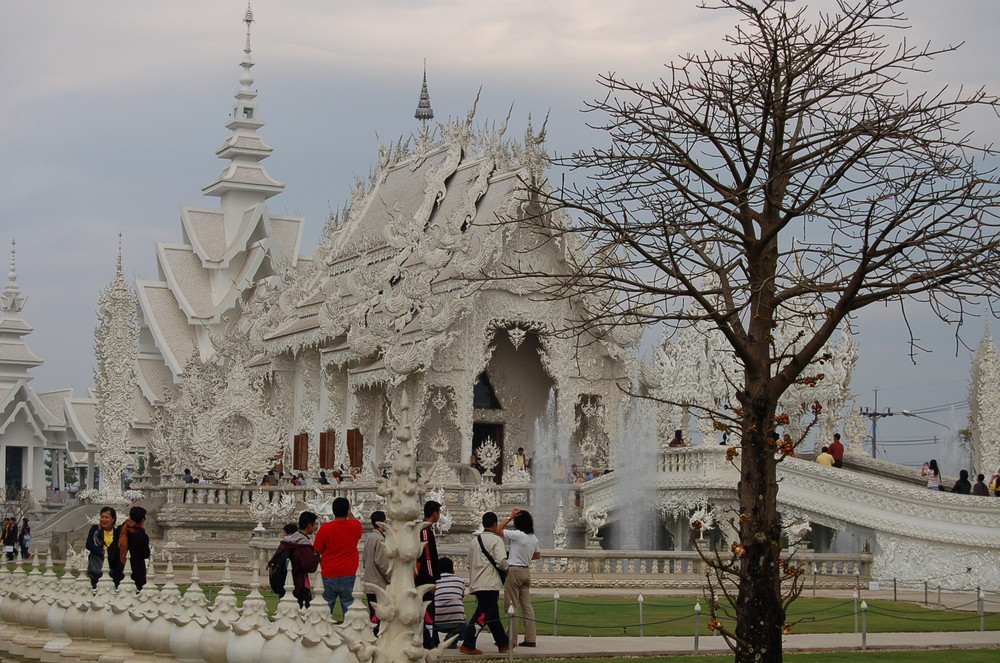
277, 570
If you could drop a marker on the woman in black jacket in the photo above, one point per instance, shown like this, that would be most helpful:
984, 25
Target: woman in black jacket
103, 537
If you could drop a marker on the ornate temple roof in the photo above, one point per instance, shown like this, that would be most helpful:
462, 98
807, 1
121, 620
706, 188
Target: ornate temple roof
223, 252
410, 258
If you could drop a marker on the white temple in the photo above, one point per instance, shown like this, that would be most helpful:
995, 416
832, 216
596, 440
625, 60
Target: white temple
399, 295
250, 356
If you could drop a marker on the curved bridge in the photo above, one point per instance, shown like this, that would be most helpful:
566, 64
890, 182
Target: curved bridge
913, 533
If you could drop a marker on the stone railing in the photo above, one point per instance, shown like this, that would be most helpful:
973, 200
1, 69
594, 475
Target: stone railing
651, 569
45, 617
227, 495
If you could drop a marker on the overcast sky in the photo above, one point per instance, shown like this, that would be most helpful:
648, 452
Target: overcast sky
112, 112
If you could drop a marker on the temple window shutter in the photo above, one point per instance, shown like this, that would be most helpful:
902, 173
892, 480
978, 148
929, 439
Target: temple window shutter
327, 449
355, 447
300, 455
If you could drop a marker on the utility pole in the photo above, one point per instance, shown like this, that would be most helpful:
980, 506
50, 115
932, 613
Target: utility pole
875, 415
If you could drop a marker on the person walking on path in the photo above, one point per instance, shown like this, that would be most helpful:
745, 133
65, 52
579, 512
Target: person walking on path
10, 538
337, 544
428, 572
297, 547
375, 563
133, 542
103, 537
517, 588
487, 568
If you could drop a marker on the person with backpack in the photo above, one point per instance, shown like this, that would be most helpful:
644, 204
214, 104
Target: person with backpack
296, 548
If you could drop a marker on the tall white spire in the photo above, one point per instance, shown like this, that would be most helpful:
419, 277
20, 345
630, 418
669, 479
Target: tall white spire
244, 180
16, 358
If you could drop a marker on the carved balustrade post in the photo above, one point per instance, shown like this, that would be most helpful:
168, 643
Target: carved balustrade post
189, 621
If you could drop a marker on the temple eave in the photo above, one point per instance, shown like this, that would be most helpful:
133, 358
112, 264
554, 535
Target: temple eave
219, 187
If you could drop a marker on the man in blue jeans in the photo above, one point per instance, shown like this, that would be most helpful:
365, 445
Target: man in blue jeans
337, 544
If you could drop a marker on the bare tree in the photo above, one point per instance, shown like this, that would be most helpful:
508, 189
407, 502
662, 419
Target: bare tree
804, 127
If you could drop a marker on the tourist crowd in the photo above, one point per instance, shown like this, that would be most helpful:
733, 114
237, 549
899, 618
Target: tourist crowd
498, 560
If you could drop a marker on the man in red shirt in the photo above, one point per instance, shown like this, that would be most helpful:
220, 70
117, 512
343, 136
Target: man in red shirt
837, 451
337, 544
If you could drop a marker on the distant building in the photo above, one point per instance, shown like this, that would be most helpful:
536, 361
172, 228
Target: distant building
35, 424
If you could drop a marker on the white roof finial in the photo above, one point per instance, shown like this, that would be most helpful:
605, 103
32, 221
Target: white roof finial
424, 110
12, 273
244, 148
118, 263
248, 19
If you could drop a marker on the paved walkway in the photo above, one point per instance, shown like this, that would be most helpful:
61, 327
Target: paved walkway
584, 647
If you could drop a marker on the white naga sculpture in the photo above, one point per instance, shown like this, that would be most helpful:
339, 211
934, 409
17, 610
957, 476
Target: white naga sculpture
115, 346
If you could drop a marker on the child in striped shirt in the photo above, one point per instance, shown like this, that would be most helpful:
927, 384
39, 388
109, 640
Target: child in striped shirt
449, 608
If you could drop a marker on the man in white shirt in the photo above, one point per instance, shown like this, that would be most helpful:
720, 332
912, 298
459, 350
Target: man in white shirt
487, 559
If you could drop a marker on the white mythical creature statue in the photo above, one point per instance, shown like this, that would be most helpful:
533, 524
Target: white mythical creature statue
595, 518
444, 523
702, 519
321, 505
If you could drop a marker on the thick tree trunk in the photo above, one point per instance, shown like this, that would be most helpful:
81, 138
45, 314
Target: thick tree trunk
760, 615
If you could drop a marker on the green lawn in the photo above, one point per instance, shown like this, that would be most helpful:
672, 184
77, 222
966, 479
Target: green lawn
599, 616
909, 656
675, 616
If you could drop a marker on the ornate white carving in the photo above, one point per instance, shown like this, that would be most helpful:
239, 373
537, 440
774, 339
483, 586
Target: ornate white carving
489, 456
513, 472
443, 525
702, 519
699, 372
441, 472
236, 436
855, 430
482, 499
559, 531
595, 518
270, 505
115, 345
321, 504
984, 407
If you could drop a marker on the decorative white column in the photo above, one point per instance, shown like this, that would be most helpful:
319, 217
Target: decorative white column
984, 399
116, 337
